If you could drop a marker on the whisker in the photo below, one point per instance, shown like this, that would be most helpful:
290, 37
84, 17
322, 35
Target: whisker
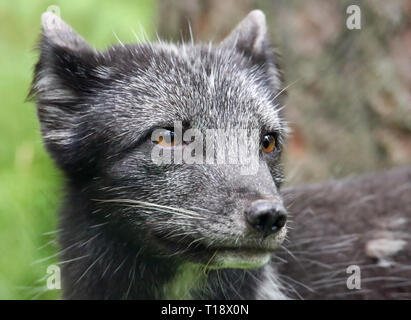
154, 205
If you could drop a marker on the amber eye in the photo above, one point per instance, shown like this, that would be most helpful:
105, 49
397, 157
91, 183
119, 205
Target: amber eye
268, 143
166, 139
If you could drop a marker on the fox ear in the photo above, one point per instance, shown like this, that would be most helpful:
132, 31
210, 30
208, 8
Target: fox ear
65, 59
251, 38
61, 34
62, 78
250, 35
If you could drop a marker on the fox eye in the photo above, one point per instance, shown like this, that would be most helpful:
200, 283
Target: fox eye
166, 139
268, 143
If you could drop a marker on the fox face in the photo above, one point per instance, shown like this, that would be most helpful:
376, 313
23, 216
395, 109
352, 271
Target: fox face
177, 147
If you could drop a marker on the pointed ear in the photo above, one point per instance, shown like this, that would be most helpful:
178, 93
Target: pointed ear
63, 76
65, 58
251, 38
250, 35
61, 34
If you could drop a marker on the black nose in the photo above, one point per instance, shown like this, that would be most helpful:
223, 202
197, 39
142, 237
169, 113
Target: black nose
267, 217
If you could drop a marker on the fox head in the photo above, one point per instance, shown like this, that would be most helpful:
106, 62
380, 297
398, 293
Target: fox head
139, 130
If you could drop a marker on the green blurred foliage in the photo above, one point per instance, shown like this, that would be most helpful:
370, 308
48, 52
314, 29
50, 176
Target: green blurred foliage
30, 186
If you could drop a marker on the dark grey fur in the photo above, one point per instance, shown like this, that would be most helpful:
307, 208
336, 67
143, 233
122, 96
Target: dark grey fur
131, 229
364, 221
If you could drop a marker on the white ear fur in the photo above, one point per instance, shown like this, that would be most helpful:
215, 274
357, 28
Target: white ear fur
60, 33
250, 33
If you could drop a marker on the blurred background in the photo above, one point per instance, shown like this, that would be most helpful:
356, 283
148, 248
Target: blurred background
348, 99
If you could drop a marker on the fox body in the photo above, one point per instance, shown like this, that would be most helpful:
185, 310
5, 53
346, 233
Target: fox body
132, 228
346, 230
145, 219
